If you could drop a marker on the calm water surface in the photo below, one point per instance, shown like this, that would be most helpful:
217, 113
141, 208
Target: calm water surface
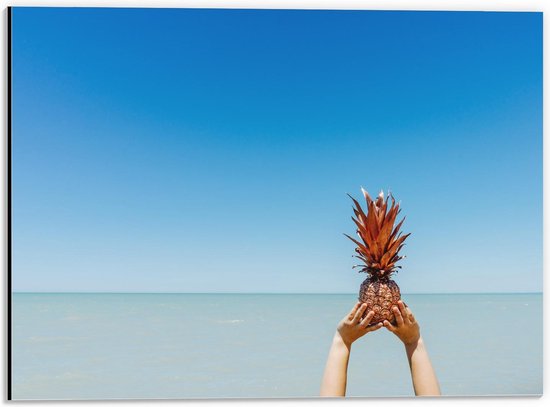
100, 346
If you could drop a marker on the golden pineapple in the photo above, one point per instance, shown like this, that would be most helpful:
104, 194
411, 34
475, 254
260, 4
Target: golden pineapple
379, 251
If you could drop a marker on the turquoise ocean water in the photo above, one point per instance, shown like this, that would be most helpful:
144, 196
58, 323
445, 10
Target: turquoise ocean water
106, 346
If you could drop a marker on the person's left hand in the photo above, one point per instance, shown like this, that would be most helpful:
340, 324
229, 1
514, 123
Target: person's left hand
406, 328
353, 326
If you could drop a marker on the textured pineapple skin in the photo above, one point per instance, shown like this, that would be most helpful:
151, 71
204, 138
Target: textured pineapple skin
380, 295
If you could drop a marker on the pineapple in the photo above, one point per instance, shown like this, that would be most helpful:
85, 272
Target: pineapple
378, 249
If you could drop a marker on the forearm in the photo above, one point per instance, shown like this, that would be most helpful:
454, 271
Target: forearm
335, 376
422, 372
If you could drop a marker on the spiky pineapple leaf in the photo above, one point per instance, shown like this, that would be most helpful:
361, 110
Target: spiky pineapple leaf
381, 238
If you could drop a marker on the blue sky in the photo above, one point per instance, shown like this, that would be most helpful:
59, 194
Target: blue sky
212, 150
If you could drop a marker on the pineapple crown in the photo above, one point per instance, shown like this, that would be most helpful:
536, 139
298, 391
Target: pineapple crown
380, 240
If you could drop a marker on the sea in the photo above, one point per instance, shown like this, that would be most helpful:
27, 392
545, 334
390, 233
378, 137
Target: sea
178, 346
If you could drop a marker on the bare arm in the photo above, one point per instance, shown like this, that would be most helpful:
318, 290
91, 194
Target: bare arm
335, 376
351, 328
423, 375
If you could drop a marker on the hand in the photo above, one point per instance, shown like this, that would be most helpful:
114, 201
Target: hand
352, 327
407, 328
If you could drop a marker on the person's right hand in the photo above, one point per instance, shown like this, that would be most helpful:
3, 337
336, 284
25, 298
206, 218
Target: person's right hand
354, 325
407, 328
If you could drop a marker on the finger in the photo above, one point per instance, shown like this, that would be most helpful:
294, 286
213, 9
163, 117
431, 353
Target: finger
353, 311
375, 327
398, 316
359, 313
389, 326
410, 315
366, 321
403, 311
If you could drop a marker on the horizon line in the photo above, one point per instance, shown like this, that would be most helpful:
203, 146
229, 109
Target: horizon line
266, 293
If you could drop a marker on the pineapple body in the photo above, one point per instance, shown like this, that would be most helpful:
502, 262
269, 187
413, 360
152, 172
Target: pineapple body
380, 295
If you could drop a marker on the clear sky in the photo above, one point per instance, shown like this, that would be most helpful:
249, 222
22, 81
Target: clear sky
212, 150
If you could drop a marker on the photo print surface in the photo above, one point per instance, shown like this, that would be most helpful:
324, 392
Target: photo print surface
179, 203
